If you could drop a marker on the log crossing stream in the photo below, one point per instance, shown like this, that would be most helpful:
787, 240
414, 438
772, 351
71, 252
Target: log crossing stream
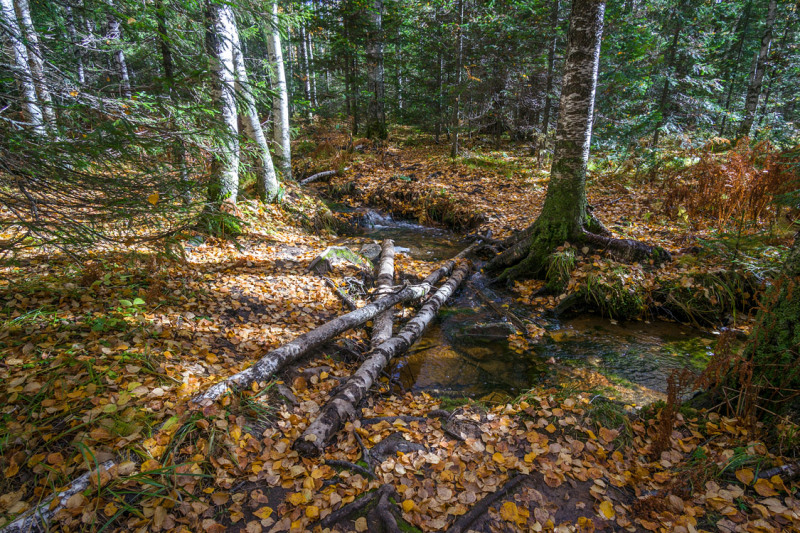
466, 352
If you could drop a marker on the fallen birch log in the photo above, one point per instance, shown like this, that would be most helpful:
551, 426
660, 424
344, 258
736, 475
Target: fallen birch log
273, 361
39, 518
342, 406
318, 176
382, 326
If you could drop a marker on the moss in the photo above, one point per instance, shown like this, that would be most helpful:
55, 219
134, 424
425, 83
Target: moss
559, 269
614, 296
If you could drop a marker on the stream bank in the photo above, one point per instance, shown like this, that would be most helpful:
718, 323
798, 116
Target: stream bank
471, 351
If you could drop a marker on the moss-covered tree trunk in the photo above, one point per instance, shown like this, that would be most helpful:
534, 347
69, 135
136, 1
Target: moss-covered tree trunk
564, 216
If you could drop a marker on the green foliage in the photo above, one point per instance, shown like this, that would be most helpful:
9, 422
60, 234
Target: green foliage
614, 294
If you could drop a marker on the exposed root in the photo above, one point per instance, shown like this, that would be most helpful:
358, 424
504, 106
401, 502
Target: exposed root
350, 466
353, 507
463, 523
385, 514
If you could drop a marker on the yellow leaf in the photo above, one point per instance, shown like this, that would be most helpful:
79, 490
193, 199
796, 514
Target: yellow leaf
12, 470
745, 475
607, 509
550, 428
153, 198
110, 509
591, 434
765, 488
312, 512
509, 512
263, 513
529, 457
296, 498
408, 505
498, 458
361, 524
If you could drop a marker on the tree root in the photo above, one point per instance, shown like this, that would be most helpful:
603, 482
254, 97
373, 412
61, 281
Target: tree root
463, 523
357, 505
392, 444
385, 514
350, 466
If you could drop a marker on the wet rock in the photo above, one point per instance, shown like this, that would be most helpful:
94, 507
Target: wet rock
491, 331
371, 251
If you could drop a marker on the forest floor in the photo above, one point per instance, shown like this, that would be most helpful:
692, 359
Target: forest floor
99, 362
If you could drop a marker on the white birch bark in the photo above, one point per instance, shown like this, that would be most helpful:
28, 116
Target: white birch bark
22, 71
754, 88
266, 180
280, 102
36, 61
226, 164
312, 71
115, 35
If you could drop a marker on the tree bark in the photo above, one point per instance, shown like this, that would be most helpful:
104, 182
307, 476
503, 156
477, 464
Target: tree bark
382, 325
342, 406
311, 68
267, 186
733, 71
551, 56
69, 17
219, 36
376, 113
36, 61
280, 102
564, 216
306, 70
22, 71
115, 35
754, 88
273, 361
673, 49
459, 61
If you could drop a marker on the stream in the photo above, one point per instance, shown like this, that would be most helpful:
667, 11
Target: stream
466, 352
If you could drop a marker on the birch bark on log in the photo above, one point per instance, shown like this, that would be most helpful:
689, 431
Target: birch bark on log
342, 407
382, 325
273, 361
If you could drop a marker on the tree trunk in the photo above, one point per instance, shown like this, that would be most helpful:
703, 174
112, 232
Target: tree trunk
564, 216
311, 68
306, 69
440, 95
673, 48
459, 61
22, 71
773, 73
551, 56
219, 36
754, 88
342, 407
273, 361
376, 113
280, 102
69, 16
115, 36
266, 181
354, 88
36, 61
178, 148
382, 326
732, 72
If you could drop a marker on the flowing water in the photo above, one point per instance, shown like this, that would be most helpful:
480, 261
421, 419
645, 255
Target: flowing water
466, 352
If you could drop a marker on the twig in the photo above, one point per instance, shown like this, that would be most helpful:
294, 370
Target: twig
343, 295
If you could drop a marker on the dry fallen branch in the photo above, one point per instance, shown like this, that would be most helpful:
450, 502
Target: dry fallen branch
318, 176
463, 523
341, 407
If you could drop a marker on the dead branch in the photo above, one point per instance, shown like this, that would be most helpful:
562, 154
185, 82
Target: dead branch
463, 523
318, 176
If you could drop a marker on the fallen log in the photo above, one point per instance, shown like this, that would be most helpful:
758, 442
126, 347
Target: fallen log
341, 407
39, 518
382, 326
273, 361
318, 176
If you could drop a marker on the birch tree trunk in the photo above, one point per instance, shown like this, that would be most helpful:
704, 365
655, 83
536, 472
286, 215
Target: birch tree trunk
115, 35
36, 61
459, 60
306, 74
280, 102
73, 36
22, 71
266, 180
219, 40
376, 113
311, 69
754, 88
